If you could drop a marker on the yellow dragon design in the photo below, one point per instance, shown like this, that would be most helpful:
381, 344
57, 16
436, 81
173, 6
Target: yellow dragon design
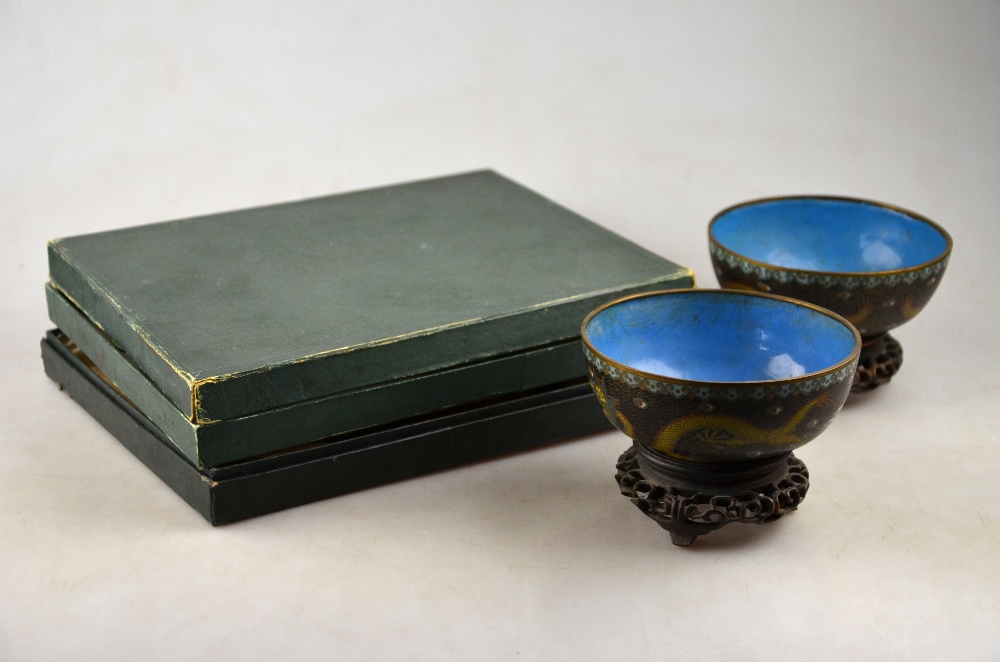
732, 431
736, 285
611, 411
867, 308
909, 307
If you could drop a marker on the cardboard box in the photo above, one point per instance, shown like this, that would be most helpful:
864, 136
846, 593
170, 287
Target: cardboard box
334, 466
255, 331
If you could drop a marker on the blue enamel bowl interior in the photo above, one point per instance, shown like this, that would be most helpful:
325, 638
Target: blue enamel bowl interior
720, 336
818, 234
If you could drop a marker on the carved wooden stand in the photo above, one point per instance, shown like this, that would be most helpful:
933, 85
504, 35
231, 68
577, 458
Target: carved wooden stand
692, 499
880, 360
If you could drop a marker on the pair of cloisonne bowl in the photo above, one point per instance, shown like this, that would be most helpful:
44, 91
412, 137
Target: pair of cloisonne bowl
718, 387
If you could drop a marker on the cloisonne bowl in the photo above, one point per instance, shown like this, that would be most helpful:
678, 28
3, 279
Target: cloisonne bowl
874, 264
716, 388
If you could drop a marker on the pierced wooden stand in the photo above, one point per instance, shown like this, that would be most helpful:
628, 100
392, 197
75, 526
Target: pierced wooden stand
880, 359
691, 499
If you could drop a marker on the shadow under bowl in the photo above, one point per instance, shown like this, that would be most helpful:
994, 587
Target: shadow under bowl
717, 376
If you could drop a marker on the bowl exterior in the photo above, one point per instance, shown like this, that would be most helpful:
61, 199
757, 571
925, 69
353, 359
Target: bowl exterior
874, 303
718, 422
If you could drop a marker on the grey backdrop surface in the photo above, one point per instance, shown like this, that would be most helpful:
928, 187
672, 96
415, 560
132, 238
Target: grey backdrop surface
647, 117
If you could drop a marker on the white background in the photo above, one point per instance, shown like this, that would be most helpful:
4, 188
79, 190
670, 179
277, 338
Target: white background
645, 117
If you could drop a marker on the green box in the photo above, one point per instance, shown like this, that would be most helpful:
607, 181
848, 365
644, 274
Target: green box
212, 444
334, 466
243, 312
253, 332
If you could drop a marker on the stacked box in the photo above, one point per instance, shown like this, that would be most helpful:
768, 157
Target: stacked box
411, 328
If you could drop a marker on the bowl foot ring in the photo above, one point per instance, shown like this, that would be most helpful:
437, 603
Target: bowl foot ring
880, 360
687, 512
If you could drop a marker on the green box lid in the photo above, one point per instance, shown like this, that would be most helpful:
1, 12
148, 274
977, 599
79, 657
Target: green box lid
245, 311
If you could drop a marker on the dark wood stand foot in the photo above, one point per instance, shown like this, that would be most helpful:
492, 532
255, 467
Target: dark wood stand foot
880, 360
691, 499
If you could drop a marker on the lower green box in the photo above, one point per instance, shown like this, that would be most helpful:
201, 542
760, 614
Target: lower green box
286, 427
337, 465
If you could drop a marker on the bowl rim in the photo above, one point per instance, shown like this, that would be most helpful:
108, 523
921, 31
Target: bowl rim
841, 198
840, 365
